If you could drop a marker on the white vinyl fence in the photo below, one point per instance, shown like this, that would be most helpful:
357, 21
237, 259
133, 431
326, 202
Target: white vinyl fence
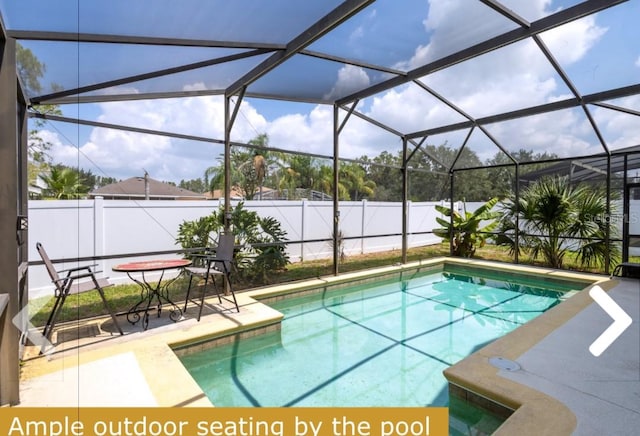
70, 229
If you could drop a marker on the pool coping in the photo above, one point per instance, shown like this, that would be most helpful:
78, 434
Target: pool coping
534, 412
156, 353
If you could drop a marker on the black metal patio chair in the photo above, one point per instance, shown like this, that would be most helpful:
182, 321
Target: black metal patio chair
77, 280
211, 263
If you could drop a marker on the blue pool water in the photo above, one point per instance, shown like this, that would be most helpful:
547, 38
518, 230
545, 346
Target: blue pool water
377, 344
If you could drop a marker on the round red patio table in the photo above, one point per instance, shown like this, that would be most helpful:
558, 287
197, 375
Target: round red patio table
149, 291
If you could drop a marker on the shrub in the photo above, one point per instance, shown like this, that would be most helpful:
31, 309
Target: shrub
466, 232
259, 241
555, 218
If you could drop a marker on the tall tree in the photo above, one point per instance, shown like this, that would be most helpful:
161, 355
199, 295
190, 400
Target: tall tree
214, 176
428, 177
249, 168
259, 160
353, 178
502, 178
289, 181
31, 70
305, 173
195, 185
323, 179
388, 179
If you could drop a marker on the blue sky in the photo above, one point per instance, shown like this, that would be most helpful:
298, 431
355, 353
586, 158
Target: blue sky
597, 52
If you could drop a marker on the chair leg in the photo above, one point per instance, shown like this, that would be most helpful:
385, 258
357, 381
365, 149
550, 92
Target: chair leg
225, 279
218, 292
204, 293
186, 299
113, 315
53, 316
233, 294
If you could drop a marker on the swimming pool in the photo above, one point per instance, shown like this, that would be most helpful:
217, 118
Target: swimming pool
381, 343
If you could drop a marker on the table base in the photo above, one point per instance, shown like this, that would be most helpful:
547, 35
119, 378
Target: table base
149, 293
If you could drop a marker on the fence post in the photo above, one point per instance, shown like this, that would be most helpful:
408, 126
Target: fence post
98, 229
302, 236
409, 225
362, 224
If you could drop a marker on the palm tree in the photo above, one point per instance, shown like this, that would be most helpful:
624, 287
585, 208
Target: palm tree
323, 179
259, 161
556, 218
62, 183
288, 182
260, 168
352, 175
248, 168
214, 176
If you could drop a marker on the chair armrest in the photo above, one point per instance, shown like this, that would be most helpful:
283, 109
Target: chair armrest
212, 257
77, 272
77, 268
207, 256
82, 275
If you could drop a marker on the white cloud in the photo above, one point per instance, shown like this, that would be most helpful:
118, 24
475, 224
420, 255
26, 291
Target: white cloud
446, 33
570, 43
356, 35
122, 154
530, 10
637, 64
310, 133
621, 130
350, 79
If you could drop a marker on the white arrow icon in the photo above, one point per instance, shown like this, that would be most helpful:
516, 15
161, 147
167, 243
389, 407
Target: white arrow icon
23, 322
620, 321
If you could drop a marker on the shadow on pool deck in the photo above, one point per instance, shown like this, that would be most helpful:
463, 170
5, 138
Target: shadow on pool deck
88, 334
93, 365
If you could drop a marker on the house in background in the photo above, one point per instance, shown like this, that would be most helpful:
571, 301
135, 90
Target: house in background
217, 194
144, 188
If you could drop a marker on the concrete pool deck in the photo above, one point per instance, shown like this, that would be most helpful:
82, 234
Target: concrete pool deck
560, 389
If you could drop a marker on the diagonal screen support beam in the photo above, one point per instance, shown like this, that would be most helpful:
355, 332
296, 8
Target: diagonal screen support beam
146, 76
561, 17
568, 103
504, 11
466, 115
554, 63
327, 23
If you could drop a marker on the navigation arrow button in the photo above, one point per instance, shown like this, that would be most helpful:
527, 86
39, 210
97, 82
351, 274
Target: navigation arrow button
620, 321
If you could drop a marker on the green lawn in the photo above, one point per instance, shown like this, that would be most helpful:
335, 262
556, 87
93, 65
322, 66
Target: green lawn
122, 297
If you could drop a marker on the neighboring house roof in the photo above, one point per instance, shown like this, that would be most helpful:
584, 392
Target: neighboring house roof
236, 194
135, 188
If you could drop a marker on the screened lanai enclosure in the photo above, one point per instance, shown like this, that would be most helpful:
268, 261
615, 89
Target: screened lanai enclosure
409, 101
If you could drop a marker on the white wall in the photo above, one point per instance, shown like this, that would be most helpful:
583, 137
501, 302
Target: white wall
85, 228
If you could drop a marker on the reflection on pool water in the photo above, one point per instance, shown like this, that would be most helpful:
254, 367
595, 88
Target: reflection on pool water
375, 344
